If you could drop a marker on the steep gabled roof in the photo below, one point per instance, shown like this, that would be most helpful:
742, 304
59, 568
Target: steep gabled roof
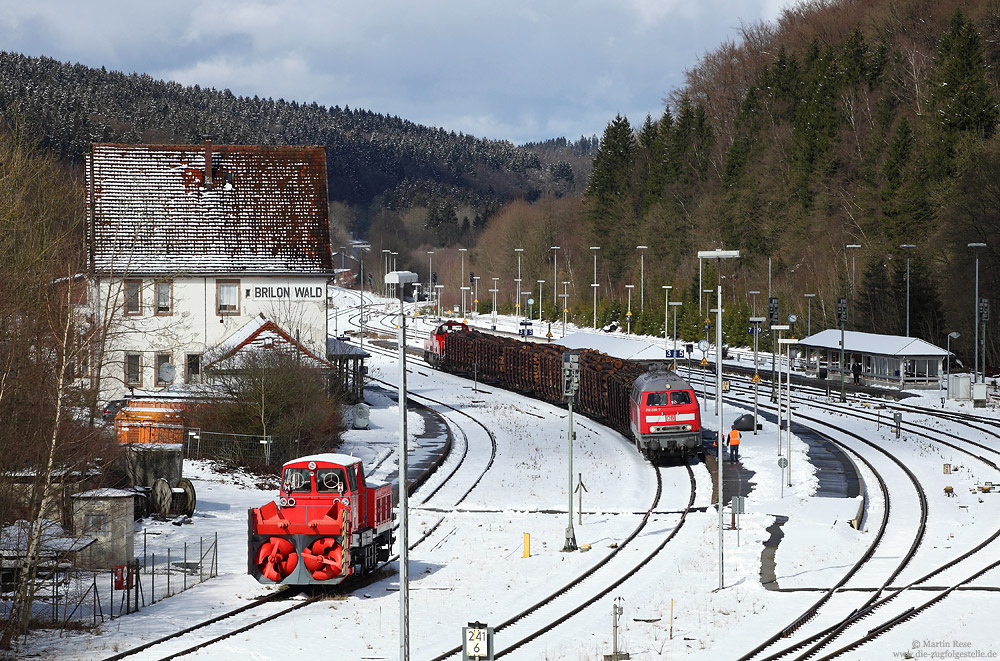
258, 333
152, 209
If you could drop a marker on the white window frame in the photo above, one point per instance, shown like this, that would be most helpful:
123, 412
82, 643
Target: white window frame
169, 286
232, 307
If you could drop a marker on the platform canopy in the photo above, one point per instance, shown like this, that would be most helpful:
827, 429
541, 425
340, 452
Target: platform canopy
874, 344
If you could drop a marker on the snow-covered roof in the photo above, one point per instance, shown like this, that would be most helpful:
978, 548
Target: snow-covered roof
104, 493
14, 539
617, 347
152, 209
328, 457
873, 343
337, 347
258, 333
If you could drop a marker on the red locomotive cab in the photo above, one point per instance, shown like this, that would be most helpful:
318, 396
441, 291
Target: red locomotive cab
667, 411
434, 345
664, 415
319, 531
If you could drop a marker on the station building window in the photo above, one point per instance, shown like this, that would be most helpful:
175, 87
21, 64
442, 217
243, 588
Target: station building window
227, 297
164, 297
133, 297
133, 369
192, 373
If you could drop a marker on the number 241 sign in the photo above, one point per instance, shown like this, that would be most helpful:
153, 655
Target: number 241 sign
478, 642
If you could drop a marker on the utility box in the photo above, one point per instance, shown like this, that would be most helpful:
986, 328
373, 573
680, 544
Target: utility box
979, 394
960, 387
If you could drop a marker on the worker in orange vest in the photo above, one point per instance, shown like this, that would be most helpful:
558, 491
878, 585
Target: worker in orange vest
734, 445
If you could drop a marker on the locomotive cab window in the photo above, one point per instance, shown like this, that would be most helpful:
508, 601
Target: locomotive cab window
296, 480
330, 480
352, 477
657, 399
680, 397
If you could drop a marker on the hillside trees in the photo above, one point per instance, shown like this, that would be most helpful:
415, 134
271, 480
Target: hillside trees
43, 348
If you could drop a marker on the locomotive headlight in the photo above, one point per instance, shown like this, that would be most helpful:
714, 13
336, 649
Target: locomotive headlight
312, 465
291, 502
282, 502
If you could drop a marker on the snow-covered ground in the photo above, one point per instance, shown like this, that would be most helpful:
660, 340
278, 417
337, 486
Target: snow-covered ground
472, 567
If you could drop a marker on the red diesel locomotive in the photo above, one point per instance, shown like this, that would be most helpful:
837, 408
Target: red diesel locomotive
434, 345
612, 390
328, 524
664, 415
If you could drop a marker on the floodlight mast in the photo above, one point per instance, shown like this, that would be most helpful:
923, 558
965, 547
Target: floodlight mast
402, 278
719, 254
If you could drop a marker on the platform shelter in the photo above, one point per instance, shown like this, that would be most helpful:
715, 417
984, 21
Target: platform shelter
891, 360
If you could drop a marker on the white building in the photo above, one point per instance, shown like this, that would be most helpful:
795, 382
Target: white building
187, 243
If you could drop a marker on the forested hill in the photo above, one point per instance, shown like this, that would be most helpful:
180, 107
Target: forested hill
369, 156
846, 122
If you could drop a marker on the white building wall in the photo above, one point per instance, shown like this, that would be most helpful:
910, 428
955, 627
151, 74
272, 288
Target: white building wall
194, 324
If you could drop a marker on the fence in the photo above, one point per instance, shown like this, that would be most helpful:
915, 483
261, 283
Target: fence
66, 595
239, 449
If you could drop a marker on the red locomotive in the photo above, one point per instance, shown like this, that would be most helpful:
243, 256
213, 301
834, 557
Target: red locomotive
328, 524
434, 345
664, 415
612, 390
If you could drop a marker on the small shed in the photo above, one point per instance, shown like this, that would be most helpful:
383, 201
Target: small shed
349, 369
107, 515
893, 360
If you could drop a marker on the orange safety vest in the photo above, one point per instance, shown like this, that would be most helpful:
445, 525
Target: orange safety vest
734, 437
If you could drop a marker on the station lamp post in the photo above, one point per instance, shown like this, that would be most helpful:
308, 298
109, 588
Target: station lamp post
628, 315
975, 320
675, 305
565, 304
907, 247
642, 277
555, 275
437, 295
956, 335
719, 255
430, 271
493, 291
852, 247
400, 279
809, 316
517, 304
788, 407
595, 285
475, 300
461, 279
540, 283
666, 312
385, 270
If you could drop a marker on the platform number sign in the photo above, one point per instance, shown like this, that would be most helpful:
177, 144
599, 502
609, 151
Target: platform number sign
841, 311
984, 310
772, 310
571, 374
478, 642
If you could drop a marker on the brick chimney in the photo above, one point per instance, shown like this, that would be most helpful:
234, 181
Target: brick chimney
208, 163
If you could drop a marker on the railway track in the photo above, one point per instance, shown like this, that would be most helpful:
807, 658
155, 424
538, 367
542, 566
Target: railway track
883, 595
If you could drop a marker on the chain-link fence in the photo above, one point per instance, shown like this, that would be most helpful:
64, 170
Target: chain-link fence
66, 596
239, 449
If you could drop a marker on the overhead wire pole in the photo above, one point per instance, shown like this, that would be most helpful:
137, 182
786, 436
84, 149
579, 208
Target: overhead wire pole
642, 277
975, 320
719, 255
666, 313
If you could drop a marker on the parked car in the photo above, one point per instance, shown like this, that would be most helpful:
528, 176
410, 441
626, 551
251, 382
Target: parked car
112, 408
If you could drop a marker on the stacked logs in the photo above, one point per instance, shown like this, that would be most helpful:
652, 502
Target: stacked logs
536, 370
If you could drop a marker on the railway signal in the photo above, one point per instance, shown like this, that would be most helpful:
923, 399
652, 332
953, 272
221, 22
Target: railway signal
571, 384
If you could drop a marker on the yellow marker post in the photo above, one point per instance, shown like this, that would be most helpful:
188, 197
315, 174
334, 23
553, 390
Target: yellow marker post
527, 546
671, 619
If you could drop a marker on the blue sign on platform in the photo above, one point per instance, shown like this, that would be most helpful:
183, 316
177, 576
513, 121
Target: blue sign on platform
754, 329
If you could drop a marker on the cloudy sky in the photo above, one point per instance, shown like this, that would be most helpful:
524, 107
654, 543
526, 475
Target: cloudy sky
519, 70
